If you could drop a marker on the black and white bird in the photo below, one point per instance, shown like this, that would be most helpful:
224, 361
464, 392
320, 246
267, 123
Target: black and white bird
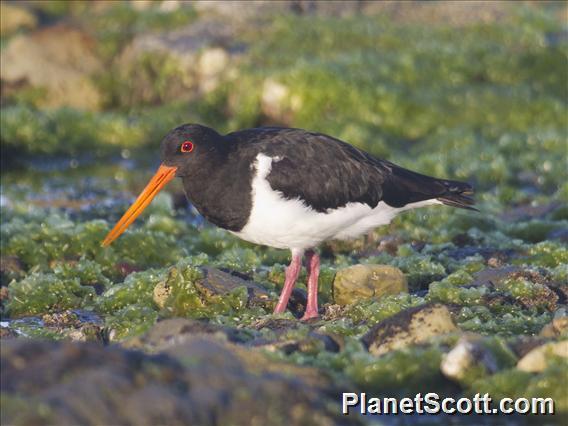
290, 189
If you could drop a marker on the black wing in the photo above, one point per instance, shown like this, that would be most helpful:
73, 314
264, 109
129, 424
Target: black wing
327, 173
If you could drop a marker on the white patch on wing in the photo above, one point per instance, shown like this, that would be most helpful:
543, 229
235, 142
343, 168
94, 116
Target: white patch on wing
278, 222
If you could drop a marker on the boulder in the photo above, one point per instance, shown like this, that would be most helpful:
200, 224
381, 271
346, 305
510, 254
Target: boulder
201, 381
360, 282
538, 359
175, 65
409, 327
63, 70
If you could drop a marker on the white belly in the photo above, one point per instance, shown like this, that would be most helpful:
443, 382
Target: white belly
278, 222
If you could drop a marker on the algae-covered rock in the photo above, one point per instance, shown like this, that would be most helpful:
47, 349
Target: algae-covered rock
175, 331
409, 327
63, 69
202, 381
360, 282
216, 282
538, 359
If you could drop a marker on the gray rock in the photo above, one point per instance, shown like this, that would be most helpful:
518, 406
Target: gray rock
409, 327
360, 282
537, 359
202, 381
467, 354
218, 282
64, 70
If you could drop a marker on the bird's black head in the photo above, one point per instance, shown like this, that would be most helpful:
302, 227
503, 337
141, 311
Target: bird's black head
184, 149
185, 146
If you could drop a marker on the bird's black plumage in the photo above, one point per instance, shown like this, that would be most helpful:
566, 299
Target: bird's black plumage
324, 172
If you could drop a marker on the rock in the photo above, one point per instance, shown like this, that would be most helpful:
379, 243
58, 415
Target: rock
175, 331
202, 381
537, 360
469, 353
409, 327
62, 69
294, 336
11, 267
13, 18
216, 282
360, 282
175, 65
7, 333
277, 103
491, 276
162, 291
211, 65
558, 326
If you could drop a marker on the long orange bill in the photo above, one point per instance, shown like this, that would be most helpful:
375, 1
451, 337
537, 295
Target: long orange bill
163, 175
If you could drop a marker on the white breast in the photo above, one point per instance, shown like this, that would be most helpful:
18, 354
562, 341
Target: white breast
278, 222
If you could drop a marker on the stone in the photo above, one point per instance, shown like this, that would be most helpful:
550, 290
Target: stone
13, 18
175, 331
537, 359
409, 327
175, 65
161, 293
277, 103
64, 70
11, 267
211, 65
217, 282
467, 354
201, 381
558, 326
361, 282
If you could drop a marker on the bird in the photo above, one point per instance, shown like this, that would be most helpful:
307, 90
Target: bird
291, 189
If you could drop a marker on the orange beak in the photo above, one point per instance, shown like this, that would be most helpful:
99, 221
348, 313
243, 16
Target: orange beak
163, 175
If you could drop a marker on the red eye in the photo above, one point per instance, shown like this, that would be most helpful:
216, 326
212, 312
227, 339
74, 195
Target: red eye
187, 146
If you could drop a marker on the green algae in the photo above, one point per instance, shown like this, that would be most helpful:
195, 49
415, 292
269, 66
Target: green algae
41, 293
373, 311
400, 372
513, 383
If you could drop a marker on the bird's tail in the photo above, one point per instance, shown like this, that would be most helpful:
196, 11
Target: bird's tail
403, 186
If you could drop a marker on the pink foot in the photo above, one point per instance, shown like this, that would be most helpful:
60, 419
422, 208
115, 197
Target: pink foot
313, 262
292, 273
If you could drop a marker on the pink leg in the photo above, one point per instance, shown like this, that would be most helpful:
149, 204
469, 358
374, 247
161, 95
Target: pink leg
313, 262
292, 273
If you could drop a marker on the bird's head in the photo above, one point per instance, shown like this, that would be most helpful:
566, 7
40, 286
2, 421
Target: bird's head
182, 150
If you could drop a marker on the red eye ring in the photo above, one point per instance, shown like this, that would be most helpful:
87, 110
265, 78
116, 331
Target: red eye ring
187, 146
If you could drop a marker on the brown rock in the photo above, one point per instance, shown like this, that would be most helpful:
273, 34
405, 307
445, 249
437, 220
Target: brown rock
360, 282
43, 60
537, 360
558, 326
409, 327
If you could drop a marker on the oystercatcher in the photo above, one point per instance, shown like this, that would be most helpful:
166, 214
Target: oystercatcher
290, 189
